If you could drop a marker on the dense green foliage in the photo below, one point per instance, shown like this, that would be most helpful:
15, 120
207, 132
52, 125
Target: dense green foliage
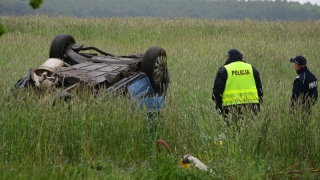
219, 9
2, 30
35, 4
110, 139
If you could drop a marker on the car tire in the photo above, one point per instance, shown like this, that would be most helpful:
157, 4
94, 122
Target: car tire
59, 45
154, 64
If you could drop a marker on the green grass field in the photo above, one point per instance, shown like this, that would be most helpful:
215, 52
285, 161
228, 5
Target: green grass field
110, 139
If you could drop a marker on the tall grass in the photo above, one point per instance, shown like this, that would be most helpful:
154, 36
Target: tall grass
111, 139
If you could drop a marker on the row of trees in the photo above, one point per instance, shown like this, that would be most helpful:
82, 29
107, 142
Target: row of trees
209, 9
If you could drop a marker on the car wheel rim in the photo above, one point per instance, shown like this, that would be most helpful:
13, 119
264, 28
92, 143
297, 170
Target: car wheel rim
159, 68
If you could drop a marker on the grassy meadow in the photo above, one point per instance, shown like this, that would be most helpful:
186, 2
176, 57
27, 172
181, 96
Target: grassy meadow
110, 139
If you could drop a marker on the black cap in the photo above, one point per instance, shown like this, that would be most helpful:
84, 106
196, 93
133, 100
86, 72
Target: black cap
300, 60
234, 54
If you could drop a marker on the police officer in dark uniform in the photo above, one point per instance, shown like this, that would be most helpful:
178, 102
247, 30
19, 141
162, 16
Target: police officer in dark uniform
237, 85
305, 86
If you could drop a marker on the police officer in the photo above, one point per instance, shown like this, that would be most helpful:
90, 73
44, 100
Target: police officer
237, 85
304, 91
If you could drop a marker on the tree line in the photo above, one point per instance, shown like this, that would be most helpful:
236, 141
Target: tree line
207, 9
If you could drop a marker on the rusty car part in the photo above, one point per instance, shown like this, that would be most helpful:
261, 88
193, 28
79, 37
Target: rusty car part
160, 141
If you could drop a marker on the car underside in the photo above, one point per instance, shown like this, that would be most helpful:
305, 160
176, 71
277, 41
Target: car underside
143, 76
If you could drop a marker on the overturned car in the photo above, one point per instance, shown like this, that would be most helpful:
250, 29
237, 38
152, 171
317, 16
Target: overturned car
143, 76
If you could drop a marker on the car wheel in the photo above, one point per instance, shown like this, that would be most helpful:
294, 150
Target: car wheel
154, 64
60, 44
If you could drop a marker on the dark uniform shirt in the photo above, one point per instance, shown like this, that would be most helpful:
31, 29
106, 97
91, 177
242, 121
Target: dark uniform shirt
304, 87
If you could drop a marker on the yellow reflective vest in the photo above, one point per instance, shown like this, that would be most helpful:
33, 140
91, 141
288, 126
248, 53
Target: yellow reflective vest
240, 86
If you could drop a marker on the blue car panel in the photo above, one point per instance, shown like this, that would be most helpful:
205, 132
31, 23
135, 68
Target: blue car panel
145, 95
140, 88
